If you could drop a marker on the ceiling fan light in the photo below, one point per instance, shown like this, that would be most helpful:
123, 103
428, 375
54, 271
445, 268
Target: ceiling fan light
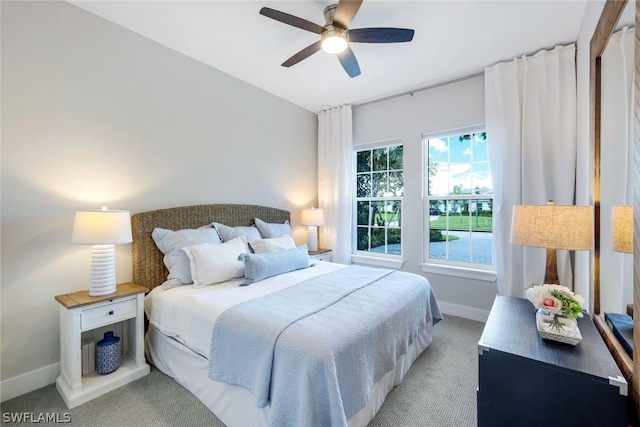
334, 41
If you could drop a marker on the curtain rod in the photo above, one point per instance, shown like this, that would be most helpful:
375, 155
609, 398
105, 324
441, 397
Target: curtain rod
413, 92
447, 82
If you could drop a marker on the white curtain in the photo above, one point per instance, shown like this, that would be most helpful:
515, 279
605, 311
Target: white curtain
530, 114
335, 164
616, 135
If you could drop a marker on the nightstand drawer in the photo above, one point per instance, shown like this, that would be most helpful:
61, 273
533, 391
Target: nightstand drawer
109, 313
322, 257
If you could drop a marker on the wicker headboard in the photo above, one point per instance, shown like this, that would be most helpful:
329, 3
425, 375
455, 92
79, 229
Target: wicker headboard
149, 269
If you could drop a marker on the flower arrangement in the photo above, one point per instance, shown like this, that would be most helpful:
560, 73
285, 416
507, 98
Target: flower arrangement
557, 300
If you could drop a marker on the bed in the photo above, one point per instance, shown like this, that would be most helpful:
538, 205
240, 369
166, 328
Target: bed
268, 354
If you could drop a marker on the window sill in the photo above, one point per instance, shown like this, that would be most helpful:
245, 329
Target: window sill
377, 261
454, 270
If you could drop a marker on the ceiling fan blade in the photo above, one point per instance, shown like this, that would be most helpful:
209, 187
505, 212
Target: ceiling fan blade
380, 35
303, 54
349, 63
346, 11
291, 20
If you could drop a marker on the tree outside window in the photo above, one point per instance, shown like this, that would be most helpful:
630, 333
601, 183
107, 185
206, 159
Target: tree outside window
379, 192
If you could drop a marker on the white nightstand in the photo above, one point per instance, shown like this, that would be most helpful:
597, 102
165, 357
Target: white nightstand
321, 254
79, 313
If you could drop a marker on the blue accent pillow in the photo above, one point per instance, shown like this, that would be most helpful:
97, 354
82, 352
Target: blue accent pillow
261, 266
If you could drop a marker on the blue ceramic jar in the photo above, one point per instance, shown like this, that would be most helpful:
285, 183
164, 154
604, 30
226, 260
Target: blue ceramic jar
108, 354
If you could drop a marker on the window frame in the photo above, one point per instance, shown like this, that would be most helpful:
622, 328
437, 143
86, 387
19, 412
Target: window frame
368, 257
471, 270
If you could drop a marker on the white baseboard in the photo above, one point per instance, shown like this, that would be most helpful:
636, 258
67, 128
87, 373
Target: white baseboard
464, 311
17, 386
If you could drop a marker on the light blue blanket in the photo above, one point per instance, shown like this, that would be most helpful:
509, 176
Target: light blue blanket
314, 350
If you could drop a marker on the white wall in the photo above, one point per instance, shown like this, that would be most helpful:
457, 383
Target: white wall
93, 114
407, 117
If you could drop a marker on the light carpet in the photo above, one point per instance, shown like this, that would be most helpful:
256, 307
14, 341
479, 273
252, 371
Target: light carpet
439, 390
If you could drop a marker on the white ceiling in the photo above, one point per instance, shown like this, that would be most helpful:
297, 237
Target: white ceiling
452, 39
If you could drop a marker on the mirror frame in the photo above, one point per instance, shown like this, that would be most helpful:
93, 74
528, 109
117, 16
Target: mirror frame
606, 25
635, 389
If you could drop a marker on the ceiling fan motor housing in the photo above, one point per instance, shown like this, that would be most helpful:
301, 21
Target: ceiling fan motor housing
329, 13
336, 34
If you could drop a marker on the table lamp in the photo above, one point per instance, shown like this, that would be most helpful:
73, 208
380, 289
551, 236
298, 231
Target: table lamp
313, 218
553, 227
622, 229
102, 229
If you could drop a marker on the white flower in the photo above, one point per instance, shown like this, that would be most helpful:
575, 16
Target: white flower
535, 294
556, 299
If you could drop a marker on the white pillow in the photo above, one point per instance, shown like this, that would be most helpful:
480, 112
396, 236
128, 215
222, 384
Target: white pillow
171, 243
216, 263
273, 244
268, 230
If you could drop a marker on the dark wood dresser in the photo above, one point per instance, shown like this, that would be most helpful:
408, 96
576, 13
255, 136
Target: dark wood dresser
524, 380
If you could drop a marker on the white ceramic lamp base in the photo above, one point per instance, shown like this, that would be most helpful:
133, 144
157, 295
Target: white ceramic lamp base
312, 239
103, 270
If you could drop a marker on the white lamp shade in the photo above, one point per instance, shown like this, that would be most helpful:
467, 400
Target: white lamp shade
312, 216
622, 229
102, 227
334, 45
334, 41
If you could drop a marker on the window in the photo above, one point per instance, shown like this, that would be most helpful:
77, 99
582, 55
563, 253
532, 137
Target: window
459, 199
379, 184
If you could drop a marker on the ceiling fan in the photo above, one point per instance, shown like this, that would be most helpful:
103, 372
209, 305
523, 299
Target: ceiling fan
335, 35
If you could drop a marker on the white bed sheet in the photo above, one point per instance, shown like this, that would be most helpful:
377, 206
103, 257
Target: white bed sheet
188, 314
